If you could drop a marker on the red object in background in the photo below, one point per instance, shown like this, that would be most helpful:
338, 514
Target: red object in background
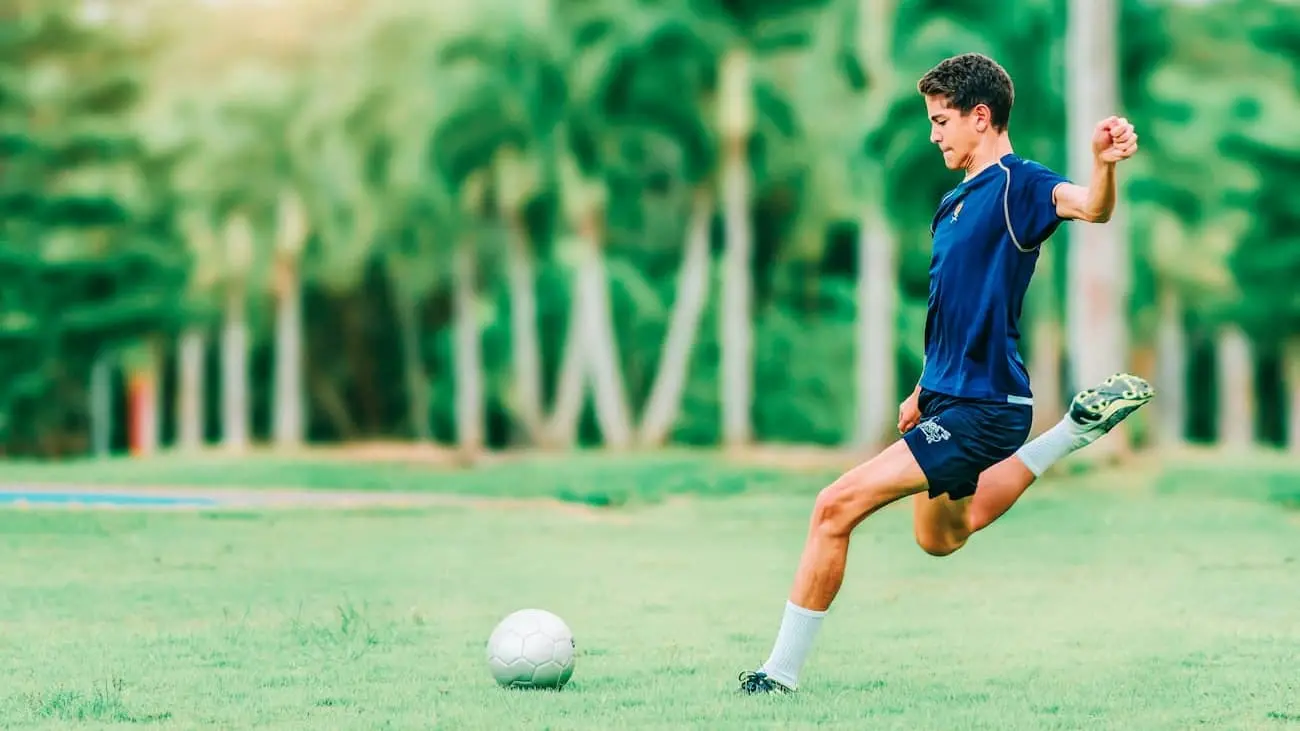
134, 396
140, 414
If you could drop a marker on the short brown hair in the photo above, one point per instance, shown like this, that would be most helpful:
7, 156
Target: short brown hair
969, 80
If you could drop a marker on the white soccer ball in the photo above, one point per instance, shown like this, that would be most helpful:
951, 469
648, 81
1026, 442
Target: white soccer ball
531, 648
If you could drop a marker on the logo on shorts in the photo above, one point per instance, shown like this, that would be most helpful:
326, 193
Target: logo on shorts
933, 432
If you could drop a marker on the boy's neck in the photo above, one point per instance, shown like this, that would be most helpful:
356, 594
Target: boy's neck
988, 153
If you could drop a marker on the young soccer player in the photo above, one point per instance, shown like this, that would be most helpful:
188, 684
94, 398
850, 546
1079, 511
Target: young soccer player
962, 455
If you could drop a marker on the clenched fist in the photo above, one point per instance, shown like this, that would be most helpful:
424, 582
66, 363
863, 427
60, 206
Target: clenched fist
909, 412
1114, 140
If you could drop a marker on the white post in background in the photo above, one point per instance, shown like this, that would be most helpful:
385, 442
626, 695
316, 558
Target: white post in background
101, 403
1098, 280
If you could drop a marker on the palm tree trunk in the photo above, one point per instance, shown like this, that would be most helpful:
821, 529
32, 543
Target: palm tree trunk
877, 310
526, 350
469, 356
562, 427
190, 389
608, 389
1236, 389
235, 411
665, 400
234, 370
877, 287
1098, 262
1171, 370
736, 335
289, 403
101, 402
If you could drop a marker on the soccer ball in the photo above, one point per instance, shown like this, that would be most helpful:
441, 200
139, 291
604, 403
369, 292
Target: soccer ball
531, 648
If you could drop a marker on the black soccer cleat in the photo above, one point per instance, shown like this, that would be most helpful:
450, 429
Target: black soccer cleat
1097, 410
757, 682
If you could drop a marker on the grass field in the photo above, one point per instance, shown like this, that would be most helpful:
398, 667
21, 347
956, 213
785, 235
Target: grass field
1168, 599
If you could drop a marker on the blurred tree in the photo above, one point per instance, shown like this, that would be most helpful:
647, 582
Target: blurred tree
88, 267
509, 130
560, 106
1157, 223
1214, 104
420, 218
469, 212
747, 35
1265, 263
228, 95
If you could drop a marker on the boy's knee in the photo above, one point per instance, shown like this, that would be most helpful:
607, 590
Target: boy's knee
845, 503
940, 543
863, 490
833, 512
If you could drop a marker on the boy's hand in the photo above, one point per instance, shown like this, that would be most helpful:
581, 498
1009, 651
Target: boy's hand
1114, 140
909, 412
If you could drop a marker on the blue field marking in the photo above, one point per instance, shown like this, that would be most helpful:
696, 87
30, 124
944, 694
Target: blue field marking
21, 496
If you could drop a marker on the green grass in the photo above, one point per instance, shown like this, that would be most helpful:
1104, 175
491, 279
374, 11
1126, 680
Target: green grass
1104, 602
1272, 477
594, 479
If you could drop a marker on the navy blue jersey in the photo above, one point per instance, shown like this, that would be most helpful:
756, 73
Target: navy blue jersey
986, 236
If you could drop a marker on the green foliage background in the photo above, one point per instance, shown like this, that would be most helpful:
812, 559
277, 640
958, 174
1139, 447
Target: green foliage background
120, 138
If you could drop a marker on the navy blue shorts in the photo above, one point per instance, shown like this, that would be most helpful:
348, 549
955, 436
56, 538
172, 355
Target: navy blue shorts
958, 438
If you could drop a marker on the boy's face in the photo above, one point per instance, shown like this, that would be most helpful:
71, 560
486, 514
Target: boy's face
957, 135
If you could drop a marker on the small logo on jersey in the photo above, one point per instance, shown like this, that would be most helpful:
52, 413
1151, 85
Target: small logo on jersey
957, 211
933, 432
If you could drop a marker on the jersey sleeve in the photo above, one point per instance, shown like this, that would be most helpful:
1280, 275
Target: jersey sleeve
1031, 213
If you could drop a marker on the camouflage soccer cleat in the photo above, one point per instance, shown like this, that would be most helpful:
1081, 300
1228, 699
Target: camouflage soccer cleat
1097, 410
757, 682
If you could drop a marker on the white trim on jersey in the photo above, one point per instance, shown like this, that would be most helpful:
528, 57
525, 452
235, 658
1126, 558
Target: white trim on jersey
1006, 210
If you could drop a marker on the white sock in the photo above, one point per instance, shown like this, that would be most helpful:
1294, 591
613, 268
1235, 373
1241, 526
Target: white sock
793, 641
1053, 445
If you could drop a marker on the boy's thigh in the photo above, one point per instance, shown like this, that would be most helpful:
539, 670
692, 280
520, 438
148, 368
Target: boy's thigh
958, 439
890, 475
